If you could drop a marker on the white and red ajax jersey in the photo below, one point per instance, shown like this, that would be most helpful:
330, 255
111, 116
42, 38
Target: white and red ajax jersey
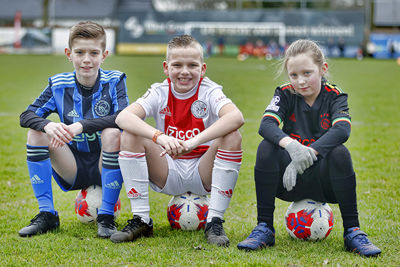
184, 116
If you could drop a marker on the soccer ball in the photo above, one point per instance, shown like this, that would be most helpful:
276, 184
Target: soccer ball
309, 220
188, 211
87, 203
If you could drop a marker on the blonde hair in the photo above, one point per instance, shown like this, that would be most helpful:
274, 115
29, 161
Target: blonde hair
184, 41
303, 46
87, 30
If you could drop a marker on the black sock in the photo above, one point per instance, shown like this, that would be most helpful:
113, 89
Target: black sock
266, 186
343, 180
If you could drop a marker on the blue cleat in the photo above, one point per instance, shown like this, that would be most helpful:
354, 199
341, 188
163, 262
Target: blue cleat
259, 238
357, 241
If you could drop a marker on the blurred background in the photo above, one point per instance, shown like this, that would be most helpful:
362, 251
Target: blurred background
239, 28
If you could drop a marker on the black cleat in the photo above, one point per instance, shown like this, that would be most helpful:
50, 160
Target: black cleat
40, 224
133, 230
105, 225
215, 234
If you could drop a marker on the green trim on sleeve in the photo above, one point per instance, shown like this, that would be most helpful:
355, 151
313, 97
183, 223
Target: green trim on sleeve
341, 119
273, 115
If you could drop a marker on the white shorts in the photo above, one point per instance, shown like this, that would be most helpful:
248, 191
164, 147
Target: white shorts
183, 176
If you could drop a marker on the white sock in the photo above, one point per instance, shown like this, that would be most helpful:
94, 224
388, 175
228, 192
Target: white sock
136, 178
224, 177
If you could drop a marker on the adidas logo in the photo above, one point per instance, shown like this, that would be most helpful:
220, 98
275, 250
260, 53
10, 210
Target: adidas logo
73, 113
113, 185
227, 193
133, 193
292, 118
165, 111
36, 180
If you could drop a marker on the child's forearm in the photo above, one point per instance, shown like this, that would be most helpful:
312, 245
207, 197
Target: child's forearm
228, 122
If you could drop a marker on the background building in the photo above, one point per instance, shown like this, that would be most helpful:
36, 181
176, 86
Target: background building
343, 27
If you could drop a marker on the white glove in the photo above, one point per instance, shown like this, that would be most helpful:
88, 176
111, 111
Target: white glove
289, 177
302, 156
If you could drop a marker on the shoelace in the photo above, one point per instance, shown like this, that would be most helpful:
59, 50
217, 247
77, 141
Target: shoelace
217, 226
362, 239
132, 224
38, 218
108, 222
256, 233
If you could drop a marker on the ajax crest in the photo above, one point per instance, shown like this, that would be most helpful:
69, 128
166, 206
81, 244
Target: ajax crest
199, 109
102, 108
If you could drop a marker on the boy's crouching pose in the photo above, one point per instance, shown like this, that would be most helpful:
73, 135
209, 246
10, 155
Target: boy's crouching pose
195, 146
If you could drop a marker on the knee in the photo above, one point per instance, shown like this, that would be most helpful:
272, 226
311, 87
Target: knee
232, 141
266, 152
340, 158
131, 142
110, 139
37, 138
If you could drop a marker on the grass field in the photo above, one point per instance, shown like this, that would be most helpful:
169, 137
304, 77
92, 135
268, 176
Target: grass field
374, 100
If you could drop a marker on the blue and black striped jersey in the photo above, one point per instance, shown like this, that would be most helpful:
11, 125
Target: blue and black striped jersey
62, 96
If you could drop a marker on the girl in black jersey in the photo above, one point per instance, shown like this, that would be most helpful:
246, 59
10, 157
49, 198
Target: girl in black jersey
306, 158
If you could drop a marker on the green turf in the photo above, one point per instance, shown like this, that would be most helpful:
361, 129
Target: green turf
374, 143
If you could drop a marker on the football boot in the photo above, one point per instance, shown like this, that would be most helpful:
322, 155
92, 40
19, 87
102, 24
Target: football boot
259, 238
357, 241
41, 223
105, 225
134, 229
215, 234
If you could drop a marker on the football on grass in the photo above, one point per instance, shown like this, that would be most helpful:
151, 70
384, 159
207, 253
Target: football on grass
188, 211
309, 220
88, 202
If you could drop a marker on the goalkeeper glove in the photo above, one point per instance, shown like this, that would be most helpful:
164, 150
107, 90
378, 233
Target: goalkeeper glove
289, 177
302, 156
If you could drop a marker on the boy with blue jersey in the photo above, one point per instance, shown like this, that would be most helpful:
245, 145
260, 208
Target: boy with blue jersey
82, 149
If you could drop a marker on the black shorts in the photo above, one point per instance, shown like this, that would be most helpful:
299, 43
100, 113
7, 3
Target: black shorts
88, 171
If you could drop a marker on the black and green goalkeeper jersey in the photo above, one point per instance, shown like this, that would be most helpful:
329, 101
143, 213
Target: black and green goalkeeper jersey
323, 126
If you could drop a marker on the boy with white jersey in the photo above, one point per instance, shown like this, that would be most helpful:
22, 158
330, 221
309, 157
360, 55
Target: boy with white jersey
195, 146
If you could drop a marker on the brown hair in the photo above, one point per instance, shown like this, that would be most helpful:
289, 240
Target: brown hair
184, 41
303, 46
87, 30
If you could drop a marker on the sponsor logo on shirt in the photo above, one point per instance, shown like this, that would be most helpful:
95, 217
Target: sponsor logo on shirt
90, 137
303, 141
180, 134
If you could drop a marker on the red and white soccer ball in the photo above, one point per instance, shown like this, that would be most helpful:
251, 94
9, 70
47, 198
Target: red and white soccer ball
88, 202
309, 220
188, 211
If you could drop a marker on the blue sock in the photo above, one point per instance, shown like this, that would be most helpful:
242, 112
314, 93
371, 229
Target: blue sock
111, 180
40, 172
